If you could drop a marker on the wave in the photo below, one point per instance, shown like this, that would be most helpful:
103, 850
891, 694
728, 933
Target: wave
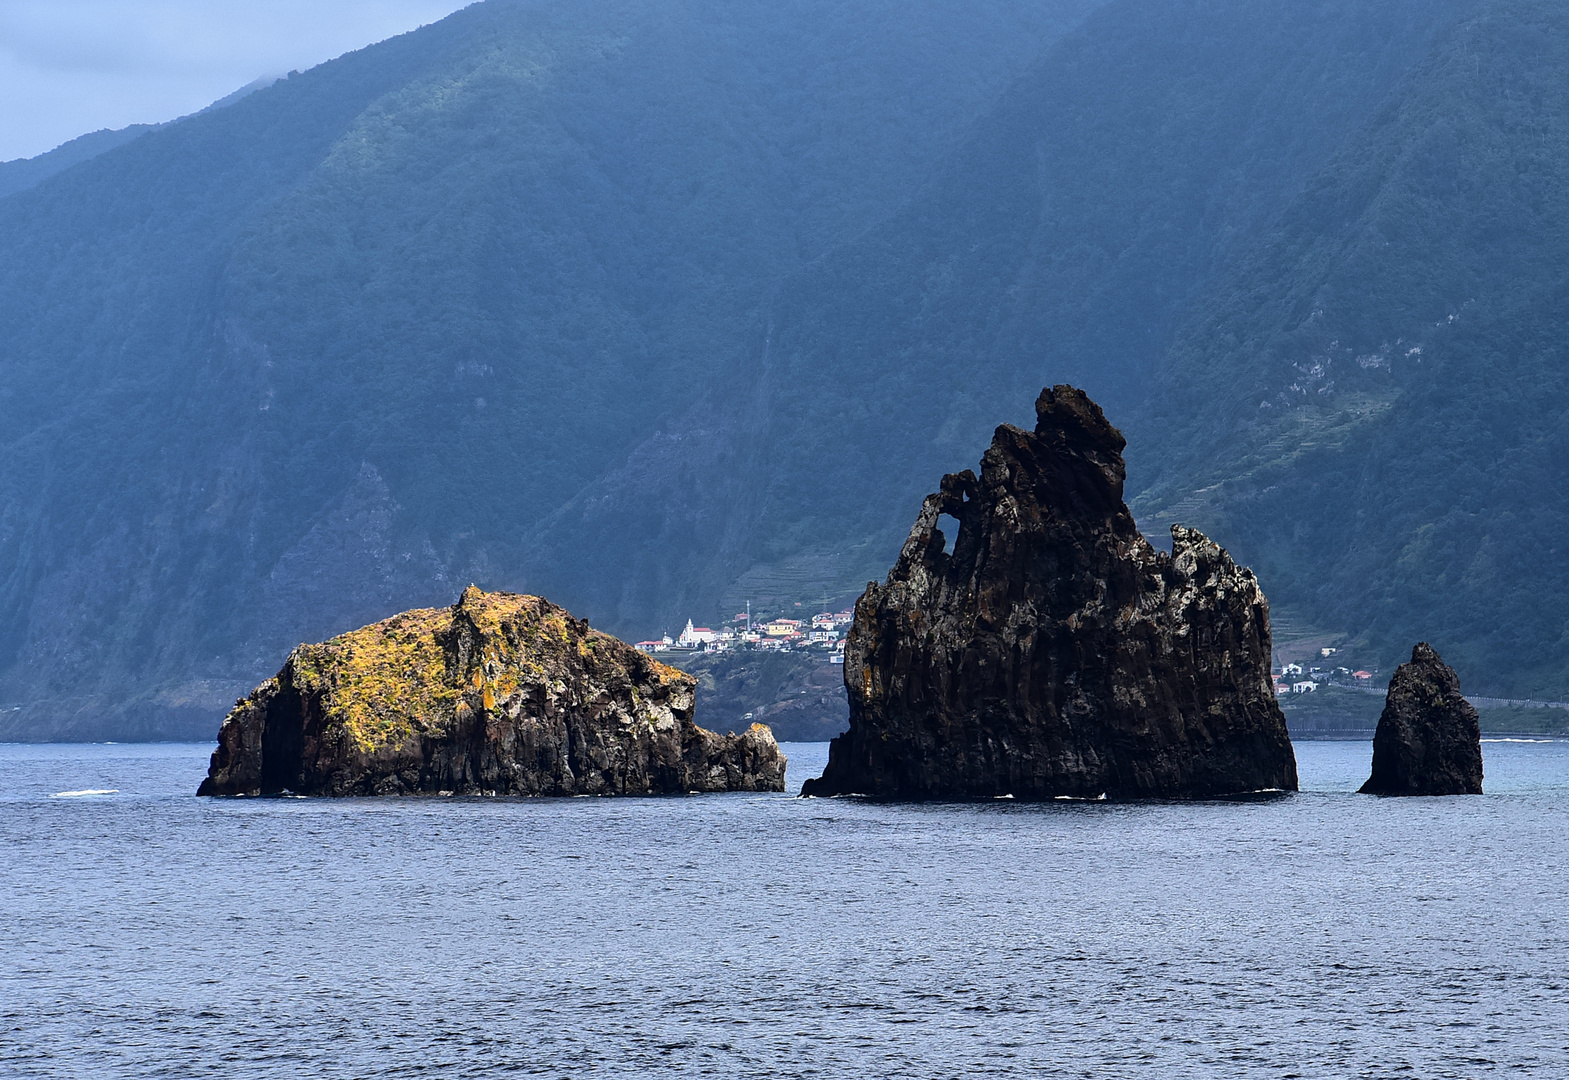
83, 792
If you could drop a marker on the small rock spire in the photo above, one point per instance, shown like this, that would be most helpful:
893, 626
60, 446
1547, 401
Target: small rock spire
1429, 739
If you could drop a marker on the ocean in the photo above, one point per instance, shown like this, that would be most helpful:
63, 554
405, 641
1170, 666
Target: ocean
148, 933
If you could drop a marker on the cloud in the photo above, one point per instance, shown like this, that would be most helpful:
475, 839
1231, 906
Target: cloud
72, 66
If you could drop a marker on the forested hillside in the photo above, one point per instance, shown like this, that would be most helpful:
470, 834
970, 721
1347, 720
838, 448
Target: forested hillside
1311, 257
1067, 239
23, 173
656, 308
1373, 405
337, 349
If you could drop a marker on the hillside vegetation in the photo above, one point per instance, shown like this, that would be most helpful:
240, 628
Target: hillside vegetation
1373, 405
1082, 221
335, 350
654, 309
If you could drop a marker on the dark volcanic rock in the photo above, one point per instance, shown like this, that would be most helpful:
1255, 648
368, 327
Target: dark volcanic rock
1429, 741
1055, 652
500, 694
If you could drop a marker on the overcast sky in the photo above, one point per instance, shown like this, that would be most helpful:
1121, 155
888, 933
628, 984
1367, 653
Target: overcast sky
68, 67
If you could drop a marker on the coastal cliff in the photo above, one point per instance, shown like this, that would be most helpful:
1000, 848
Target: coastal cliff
1052, 651
1429, 738
499, 694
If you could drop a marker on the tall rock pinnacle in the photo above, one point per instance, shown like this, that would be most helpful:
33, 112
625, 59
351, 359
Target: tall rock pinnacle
1053, 651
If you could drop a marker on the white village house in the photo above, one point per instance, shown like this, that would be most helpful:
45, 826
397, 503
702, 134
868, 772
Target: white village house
664, 644
696, 636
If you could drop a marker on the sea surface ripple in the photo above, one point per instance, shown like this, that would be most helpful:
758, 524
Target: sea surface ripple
148, 933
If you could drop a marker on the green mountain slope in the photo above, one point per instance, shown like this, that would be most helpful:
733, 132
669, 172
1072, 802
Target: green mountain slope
337, 348
656, 308
1310, 256
23, 173
1081, 223
1374, 406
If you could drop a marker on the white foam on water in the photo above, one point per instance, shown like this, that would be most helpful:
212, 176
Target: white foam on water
84, 792
1524, 740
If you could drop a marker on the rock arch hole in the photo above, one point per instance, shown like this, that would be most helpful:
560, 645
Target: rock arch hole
950, 531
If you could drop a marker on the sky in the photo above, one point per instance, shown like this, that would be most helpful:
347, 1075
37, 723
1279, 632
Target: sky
68, 67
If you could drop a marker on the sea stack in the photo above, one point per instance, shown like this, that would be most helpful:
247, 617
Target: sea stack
1429, 740
499, 694
1053, 651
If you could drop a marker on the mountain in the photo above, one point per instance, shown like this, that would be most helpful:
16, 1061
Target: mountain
1311, 256
657, 308
20, 174
23, 173
339, 348
1373, 404
1079, 226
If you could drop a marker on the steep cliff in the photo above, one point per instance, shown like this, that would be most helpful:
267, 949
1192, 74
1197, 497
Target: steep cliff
531, 219
1054, 651
1429, 738
500, 694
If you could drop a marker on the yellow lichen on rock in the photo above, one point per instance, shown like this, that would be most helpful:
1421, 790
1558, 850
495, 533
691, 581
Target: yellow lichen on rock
498, 693
387, 682
391, 682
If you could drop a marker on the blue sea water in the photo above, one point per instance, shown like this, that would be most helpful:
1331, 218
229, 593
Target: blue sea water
148, 933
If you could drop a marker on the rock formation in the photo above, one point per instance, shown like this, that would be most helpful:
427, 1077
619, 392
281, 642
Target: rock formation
1054, 652
1429, 740
500, 694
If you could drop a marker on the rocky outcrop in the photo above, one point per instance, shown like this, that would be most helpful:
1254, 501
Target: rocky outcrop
1053, 651
1429, 739
499, 694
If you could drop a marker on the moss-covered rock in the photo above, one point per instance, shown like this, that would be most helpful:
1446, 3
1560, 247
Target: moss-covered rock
500, 693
